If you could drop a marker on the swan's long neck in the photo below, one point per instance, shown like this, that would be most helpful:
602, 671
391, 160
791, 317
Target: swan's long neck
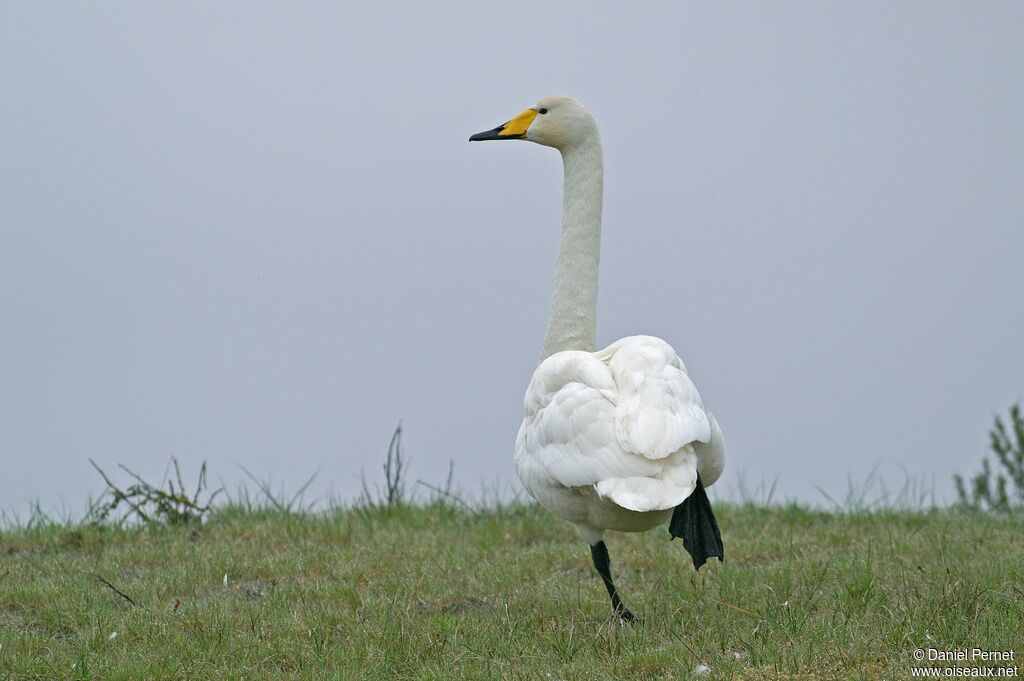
573, 321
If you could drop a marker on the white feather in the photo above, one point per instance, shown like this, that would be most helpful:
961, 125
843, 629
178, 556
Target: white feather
622, 420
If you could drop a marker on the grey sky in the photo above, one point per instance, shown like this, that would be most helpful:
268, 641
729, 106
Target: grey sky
255, 234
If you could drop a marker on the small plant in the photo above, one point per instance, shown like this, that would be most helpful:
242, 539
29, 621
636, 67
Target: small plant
152, 504
279, 501
394, 466
1008, 446
394, 493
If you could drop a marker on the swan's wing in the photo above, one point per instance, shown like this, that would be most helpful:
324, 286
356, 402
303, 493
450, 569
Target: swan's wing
659, 410
621, 419
711, 455
568, 433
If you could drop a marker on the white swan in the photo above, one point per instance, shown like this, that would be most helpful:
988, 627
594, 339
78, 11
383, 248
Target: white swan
612, 439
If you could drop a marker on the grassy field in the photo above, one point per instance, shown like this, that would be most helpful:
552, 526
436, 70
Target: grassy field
439, 592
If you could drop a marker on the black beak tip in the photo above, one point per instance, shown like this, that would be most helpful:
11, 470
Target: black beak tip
491, 135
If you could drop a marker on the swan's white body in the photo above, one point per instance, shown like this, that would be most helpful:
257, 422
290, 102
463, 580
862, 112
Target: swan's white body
613, 438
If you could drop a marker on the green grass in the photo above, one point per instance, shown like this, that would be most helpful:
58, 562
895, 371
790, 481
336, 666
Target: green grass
436, 592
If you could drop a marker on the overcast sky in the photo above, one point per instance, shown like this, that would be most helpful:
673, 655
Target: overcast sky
256, 235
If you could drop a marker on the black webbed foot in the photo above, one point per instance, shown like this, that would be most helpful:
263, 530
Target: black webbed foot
627, 617
694, 521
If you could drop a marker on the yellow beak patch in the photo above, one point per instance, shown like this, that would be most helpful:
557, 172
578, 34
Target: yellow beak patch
518, 126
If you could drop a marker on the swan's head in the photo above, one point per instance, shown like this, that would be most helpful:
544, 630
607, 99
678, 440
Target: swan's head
559, 122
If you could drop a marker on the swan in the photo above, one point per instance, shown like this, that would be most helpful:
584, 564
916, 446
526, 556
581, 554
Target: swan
618, 438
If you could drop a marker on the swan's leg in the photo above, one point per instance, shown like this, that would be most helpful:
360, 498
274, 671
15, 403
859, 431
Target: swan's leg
599, 552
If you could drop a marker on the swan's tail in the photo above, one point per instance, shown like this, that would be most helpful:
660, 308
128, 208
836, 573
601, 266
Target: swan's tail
694, 521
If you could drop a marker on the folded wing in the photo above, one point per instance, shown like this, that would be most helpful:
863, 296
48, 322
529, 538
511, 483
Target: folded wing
625, 420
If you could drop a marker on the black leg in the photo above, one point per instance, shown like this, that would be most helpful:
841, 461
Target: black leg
599, 552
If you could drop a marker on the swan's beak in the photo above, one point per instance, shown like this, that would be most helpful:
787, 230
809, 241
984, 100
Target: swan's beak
513, 130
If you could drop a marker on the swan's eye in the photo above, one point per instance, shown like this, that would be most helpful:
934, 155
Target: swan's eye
543, 111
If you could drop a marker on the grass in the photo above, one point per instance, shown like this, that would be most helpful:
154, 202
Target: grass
441, 592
